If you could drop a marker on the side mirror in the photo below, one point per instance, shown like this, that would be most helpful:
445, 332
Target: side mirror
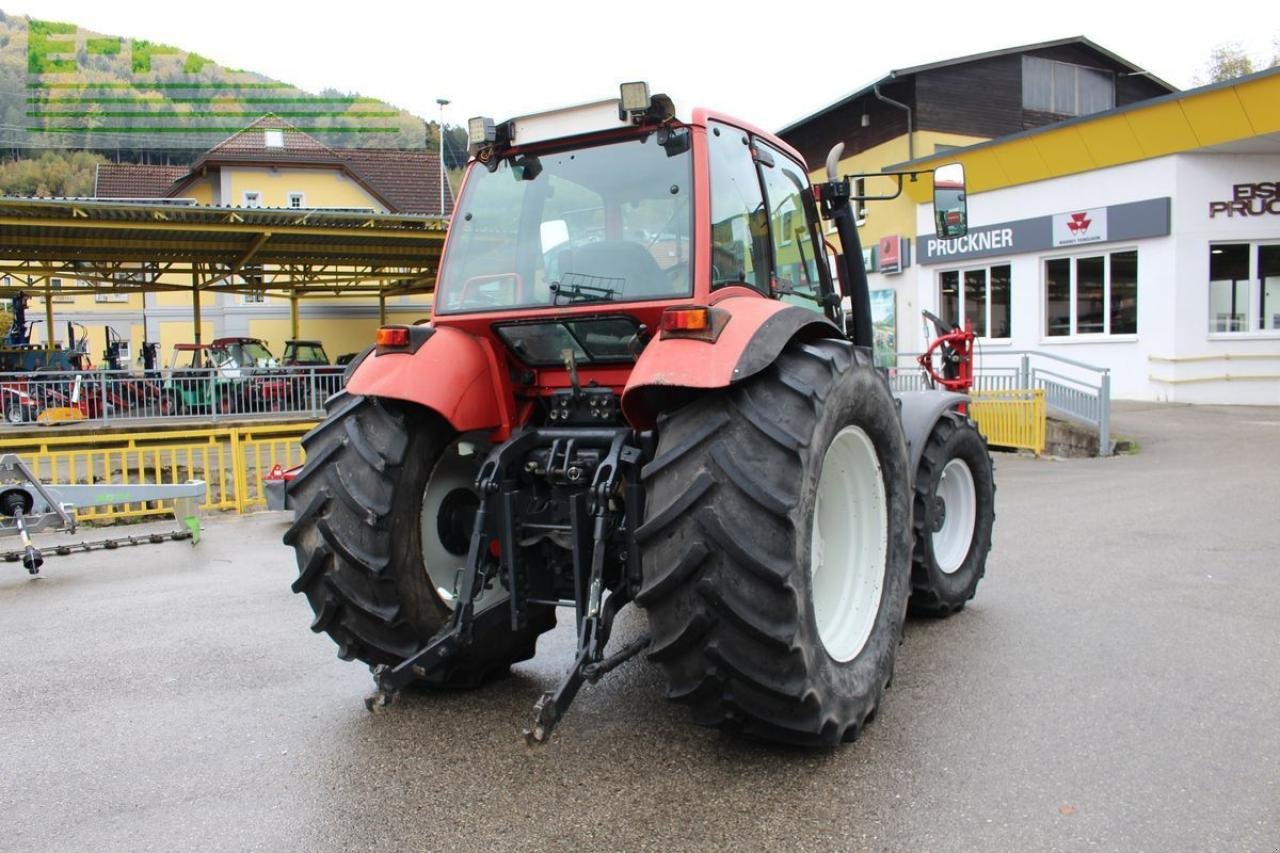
950, 203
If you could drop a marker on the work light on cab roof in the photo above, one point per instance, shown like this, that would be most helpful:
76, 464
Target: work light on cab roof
633, 106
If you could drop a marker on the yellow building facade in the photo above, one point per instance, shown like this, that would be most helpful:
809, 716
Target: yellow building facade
269, 164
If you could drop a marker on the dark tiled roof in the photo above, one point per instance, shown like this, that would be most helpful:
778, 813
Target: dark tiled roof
133, 180
408, 181
251, 144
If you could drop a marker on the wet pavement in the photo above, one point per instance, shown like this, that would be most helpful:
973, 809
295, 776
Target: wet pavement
1114, 685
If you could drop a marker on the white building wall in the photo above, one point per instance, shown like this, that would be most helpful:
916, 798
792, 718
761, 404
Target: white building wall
1173, 275
1204, 359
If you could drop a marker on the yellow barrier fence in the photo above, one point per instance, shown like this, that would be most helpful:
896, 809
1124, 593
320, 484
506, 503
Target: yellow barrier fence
1011, 418
231, 460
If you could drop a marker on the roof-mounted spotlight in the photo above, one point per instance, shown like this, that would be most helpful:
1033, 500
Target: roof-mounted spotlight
634, 101
481, 133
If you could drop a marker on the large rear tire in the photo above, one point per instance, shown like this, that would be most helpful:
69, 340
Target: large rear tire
363, 541
776, 548
954, 513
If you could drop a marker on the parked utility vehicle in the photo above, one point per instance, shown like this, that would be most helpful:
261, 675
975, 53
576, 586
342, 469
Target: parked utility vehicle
640, 385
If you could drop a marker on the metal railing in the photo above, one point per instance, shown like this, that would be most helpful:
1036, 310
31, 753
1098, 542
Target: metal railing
1072, 389
232, 461
104, 396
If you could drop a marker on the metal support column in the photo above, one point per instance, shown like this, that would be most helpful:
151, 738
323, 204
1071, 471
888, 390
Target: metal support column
382, 308
48, 315
1104, 415
294, 325
195, 302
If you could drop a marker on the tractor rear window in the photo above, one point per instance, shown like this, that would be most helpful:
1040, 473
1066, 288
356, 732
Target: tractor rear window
610, 223
592, 340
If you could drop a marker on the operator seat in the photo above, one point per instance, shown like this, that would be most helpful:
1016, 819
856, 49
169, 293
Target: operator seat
619, 259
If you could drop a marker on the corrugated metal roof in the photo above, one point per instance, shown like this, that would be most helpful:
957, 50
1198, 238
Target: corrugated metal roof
305, 250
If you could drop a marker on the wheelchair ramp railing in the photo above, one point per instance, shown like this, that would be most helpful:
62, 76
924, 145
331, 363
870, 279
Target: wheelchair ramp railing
1072, 389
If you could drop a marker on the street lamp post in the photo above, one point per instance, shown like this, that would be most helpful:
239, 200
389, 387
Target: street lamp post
443, 102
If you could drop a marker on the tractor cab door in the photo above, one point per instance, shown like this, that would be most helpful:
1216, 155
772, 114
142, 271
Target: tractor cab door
764, 232
793, 229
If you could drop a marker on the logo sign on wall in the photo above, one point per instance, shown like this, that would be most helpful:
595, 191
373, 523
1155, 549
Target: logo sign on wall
1081, 226
894, 254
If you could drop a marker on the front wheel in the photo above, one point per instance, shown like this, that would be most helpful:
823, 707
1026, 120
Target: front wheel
954, 512
776, 548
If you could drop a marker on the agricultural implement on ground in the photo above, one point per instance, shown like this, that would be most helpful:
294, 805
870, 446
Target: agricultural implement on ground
28, 506
641, 384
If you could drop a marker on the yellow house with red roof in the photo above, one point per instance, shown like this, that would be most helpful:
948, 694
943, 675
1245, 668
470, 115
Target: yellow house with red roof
269, 164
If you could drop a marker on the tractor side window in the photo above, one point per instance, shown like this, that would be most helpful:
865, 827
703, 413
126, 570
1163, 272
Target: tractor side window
739, 229
794, 253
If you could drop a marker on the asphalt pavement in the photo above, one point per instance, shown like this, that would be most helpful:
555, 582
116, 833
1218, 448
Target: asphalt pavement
1115, 685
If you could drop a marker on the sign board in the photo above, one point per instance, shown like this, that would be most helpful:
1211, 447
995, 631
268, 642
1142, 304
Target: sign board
884, 326
1131, 221
1079, 227
891, 254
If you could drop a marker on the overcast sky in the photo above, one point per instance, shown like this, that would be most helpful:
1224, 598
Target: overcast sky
768, 63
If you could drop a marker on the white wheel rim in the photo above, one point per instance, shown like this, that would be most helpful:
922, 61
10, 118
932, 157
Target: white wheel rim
958, 501
452, 471
849, 545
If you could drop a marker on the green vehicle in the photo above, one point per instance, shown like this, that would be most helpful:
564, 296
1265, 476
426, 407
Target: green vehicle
205, 378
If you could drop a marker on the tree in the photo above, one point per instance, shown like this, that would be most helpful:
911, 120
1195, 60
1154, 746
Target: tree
1229, 61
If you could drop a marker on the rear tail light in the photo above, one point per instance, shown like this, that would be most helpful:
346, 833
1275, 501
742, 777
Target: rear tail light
693, 321
686, 319
393, 337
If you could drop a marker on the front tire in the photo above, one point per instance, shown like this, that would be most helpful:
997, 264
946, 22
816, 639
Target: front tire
363, 544
761, 623
954, 513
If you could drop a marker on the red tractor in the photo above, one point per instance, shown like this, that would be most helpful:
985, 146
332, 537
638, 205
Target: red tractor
640, 385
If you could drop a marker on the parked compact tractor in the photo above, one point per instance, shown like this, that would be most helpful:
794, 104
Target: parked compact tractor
642, 383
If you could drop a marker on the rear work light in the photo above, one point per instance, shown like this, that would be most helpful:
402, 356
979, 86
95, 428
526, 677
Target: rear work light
693, 321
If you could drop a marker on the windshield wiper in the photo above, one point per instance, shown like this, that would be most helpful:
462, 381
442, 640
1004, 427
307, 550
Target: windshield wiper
573, 293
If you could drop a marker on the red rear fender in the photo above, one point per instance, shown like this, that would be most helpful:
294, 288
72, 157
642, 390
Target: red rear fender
758, 329
452, 373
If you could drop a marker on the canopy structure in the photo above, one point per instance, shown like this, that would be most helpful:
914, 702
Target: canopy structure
154, 245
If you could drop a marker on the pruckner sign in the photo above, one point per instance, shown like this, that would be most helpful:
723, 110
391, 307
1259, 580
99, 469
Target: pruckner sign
975, 241
1249, 200
1132, 221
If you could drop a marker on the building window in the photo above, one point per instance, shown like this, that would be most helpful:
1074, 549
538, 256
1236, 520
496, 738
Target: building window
1065, 89
981, 296
251, 198
1244, 287
255, 298
273, 138
297, 200
1094, 295
55, 292
859, 203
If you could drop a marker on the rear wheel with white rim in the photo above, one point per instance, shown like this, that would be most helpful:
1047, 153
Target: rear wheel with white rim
776, 548
954, 513
383, 514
